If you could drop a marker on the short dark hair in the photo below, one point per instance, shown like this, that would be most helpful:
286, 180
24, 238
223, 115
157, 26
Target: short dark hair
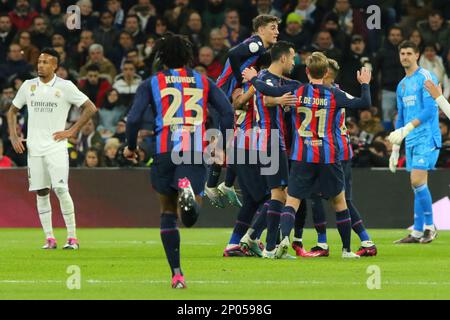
52, 52
436, 13
93, 67
395, 28
281, 48
263, 20
408, 44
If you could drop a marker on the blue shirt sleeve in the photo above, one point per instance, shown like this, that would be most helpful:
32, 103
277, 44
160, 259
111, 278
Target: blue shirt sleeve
273, 91
400, 120
343, 99
220, 103
429, 105
238, 54
142, 100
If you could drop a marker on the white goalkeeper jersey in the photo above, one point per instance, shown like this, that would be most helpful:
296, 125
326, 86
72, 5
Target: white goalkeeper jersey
48, 105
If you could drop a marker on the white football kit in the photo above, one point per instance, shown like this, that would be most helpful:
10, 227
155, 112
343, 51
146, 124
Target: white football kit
48, 105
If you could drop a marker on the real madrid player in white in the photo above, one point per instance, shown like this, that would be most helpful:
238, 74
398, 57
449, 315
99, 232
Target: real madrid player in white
48, 99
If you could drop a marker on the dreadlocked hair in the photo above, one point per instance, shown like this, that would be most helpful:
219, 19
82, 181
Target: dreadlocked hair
172, 51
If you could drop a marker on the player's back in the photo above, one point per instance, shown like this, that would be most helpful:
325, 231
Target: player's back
315, 121
415, 99
180, 98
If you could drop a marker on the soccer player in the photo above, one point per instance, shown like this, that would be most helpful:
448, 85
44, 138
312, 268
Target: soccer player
367, 248
178, 98
272, 143
315, 152
436, 92
48, 99
418, 122
240, 57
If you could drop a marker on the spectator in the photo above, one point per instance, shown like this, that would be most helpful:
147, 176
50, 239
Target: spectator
294, 31
55, 16
133, 28
58, 40
369, 123
435, 30
111, 147
94, 86
145, 50
218, 44
340, 38
93, 158
266, 7
193, 29
80, 53
121, 129
127, 83
299, 71
416, 37
387, 62
126, 43
351, 21
442, 6
89, 19
232, 28
324, 43
110, 113
105, 34
178, 14
432, 62
30, 52
5, 161
115, 7
22, 15
206, 58
96, 56
145, 11
15, 65
214, 13
312, 15
158, 27
353, 61
89, 138
6, 35
40, 34
139, 65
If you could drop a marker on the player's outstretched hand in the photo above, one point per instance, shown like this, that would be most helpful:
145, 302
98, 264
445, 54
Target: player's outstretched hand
287, 99
17, 143
364, 75
393, 160
249, 73
61, 135
434, 90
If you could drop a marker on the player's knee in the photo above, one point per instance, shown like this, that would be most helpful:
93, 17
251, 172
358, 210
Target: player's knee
338, 202
43, 192
65, 200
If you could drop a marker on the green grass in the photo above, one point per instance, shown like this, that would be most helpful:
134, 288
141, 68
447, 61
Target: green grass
130, 264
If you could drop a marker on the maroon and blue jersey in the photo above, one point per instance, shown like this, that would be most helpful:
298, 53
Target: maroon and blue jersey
244, 55
245, 122
315, 118
345, 145
178, 100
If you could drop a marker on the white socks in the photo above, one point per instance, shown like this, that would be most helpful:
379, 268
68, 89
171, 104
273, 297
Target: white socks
45, 214
68, 211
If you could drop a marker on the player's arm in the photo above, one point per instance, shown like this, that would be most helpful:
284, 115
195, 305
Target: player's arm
222, 105
365, 101
142, 100
88, 110
16, 141
436, 92
241, 98
250, 74
238, 54
287, 99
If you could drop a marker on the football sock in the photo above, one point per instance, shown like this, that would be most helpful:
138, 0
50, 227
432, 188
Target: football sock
287, 221
344, 226
45, 214
273, 223
230, 177
419, 217
320, 222
68, 211
170, 237
214, 175
189, 217
423, 195
300, 218
244, 220
260, 222
357, 223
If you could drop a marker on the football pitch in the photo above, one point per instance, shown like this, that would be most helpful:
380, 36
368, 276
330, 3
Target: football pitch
130, 264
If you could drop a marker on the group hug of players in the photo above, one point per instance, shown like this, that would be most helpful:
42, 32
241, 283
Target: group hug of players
302, 124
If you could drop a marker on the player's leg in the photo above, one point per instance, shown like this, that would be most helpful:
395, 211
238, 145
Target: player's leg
227, 187
211, 190
39, 181
58, 166
299, 225
320, 224
367, 247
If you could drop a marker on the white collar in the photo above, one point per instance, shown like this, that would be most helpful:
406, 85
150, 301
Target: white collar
51, 83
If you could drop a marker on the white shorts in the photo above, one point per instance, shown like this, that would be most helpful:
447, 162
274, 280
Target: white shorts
49, 171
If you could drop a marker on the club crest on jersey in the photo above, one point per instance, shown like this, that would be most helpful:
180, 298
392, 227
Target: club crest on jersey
58, 94
33, 89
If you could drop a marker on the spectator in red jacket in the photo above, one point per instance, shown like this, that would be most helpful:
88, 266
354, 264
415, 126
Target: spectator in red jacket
94, 86
23, 14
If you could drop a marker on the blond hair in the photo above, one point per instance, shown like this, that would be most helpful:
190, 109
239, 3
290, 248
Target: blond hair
317, 64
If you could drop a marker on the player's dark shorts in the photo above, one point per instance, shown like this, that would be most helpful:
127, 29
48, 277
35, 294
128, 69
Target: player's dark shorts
347, 168
304, 176
249, 176
165, 174
278, 175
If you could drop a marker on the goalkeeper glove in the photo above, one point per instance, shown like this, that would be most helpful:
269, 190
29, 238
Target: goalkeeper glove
393, 160
398, 135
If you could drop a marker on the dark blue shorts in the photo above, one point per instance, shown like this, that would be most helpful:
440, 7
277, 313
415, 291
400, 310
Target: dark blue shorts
304, 177
347, 167
165, 175
279, 170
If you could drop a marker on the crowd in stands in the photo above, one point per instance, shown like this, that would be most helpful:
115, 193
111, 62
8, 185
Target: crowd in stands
108, 58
